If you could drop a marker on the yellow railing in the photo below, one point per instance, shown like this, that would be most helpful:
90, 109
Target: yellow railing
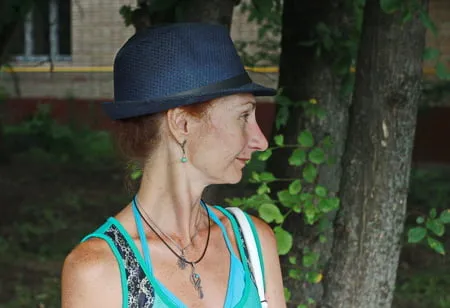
108, 69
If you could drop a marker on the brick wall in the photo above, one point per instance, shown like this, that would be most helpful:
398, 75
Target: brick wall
98, 31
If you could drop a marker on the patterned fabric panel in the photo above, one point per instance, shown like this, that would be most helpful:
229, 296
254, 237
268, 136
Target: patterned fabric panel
140, 292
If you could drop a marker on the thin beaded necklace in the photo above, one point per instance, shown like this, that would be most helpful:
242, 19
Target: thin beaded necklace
182, 261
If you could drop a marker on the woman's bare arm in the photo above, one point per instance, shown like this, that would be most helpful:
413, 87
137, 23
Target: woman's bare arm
272, 268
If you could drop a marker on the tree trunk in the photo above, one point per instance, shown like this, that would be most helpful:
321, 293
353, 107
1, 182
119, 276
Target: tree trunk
376, 162
303, 76
212, 11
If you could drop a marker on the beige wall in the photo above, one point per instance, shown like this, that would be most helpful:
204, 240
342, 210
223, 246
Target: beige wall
98, 31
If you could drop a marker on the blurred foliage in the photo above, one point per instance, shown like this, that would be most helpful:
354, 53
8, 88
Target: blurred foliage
423, 289
41, 138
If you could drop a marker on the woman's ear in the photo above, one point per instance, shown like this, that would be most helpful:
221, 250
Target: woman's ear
178, 123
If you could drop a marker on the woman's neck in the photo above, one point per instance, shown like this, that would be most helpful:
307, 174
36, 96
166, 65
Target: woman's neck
171, 199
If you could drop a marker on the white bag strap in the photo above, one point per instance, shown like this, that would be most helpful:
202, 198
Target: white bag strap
253, 255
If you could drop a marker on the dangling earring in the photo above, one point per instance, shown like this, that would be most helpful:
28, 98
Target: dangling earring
183, 158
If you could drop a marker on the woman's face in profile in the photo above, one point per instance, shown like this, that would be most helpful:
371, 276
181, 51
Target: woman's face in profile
226, 139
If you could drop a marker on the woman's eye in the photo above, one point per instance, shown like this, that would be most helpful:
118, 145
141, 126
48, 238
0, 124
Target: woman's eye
245, 116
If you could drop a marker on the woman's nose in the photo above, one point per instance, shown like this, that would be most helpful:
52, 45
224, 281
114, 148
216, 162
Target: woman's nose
258, 141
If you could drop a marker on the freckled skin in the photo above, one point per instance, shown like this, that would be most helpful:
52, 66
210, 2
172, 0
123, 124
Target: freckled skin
217, 147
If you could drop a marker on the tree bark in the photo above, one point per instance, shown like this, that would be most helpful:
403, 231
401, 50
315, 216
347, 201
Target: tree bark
303, 76
212, 11
376, 162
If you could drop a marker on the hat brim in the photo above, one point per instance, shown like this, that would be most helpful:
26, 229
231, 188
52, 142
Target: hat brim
130, 109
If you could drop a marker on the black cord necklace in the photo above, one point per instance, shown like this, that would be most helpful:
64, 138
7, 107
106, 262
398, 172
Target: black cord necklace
182, 261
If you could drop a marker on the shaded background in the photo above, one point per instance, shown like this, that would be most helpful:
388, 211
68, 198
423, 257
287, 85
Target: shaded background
60, 177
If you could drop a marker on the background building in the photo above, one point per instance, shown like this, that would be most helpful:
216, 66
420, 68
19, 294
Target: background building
84, 35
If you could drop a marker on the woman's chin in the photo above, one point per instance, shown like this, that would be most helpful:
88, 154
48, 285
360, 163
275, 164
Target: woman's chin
234, 178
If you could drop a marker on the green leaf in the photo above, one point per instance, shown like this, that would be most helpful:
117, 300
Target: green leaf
279, 140
436, 226
306, 197
390, 6
286, 198
255, 201
317, 156
270, 212
416, 234
420, 220
235, 201
321, 113
297, 158
431, 54
295, 273
309, 173
293, 260
255, 177
282, 117
322, 238
305, 139
326, 205
263, 156
313, 277
407, 16
327, 142
320, 191
297, 208
436, 245
287, 294
310, 212
263, 7
263, 188
445, 216
442, 71
295, 187
267, 177
433, 213
310, 259
284, 240
428, 23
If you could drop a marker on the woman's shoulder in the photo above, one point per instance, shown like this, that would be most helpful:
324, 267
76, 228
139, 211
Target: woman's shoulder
88, 270
91, 257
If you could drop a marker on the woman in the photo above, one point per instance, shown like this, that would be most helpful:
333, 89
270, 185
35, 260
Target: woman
185, 109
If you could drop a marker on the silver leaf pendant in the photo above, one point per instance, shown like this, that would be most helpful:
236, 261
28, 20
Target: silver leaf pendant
182, 263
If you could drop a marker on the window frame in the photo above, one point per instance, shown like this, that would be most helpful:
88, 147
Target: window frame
54, 55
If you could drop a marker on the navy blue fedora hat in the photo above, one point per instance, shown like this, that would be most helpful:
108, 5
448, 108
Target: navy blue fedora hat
168, 66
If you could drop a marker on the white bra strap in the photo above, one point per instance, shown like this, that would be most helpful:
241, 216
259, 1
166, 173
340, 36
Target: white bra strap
249, 239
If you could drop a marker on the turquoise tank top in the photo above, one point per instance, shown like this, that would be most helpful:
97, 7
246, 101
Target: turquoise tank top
140, 288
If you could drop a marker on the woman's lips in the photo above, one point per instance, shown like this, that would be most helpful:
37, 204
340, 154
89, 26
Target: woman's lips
243, 160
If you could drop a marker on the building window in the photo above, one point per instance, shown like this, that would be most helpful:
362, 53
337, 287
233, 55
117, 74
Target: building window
45, 33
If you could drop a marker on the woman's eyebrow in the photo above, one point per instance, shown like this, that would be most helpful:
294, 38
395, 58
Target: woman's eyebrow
253, 103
